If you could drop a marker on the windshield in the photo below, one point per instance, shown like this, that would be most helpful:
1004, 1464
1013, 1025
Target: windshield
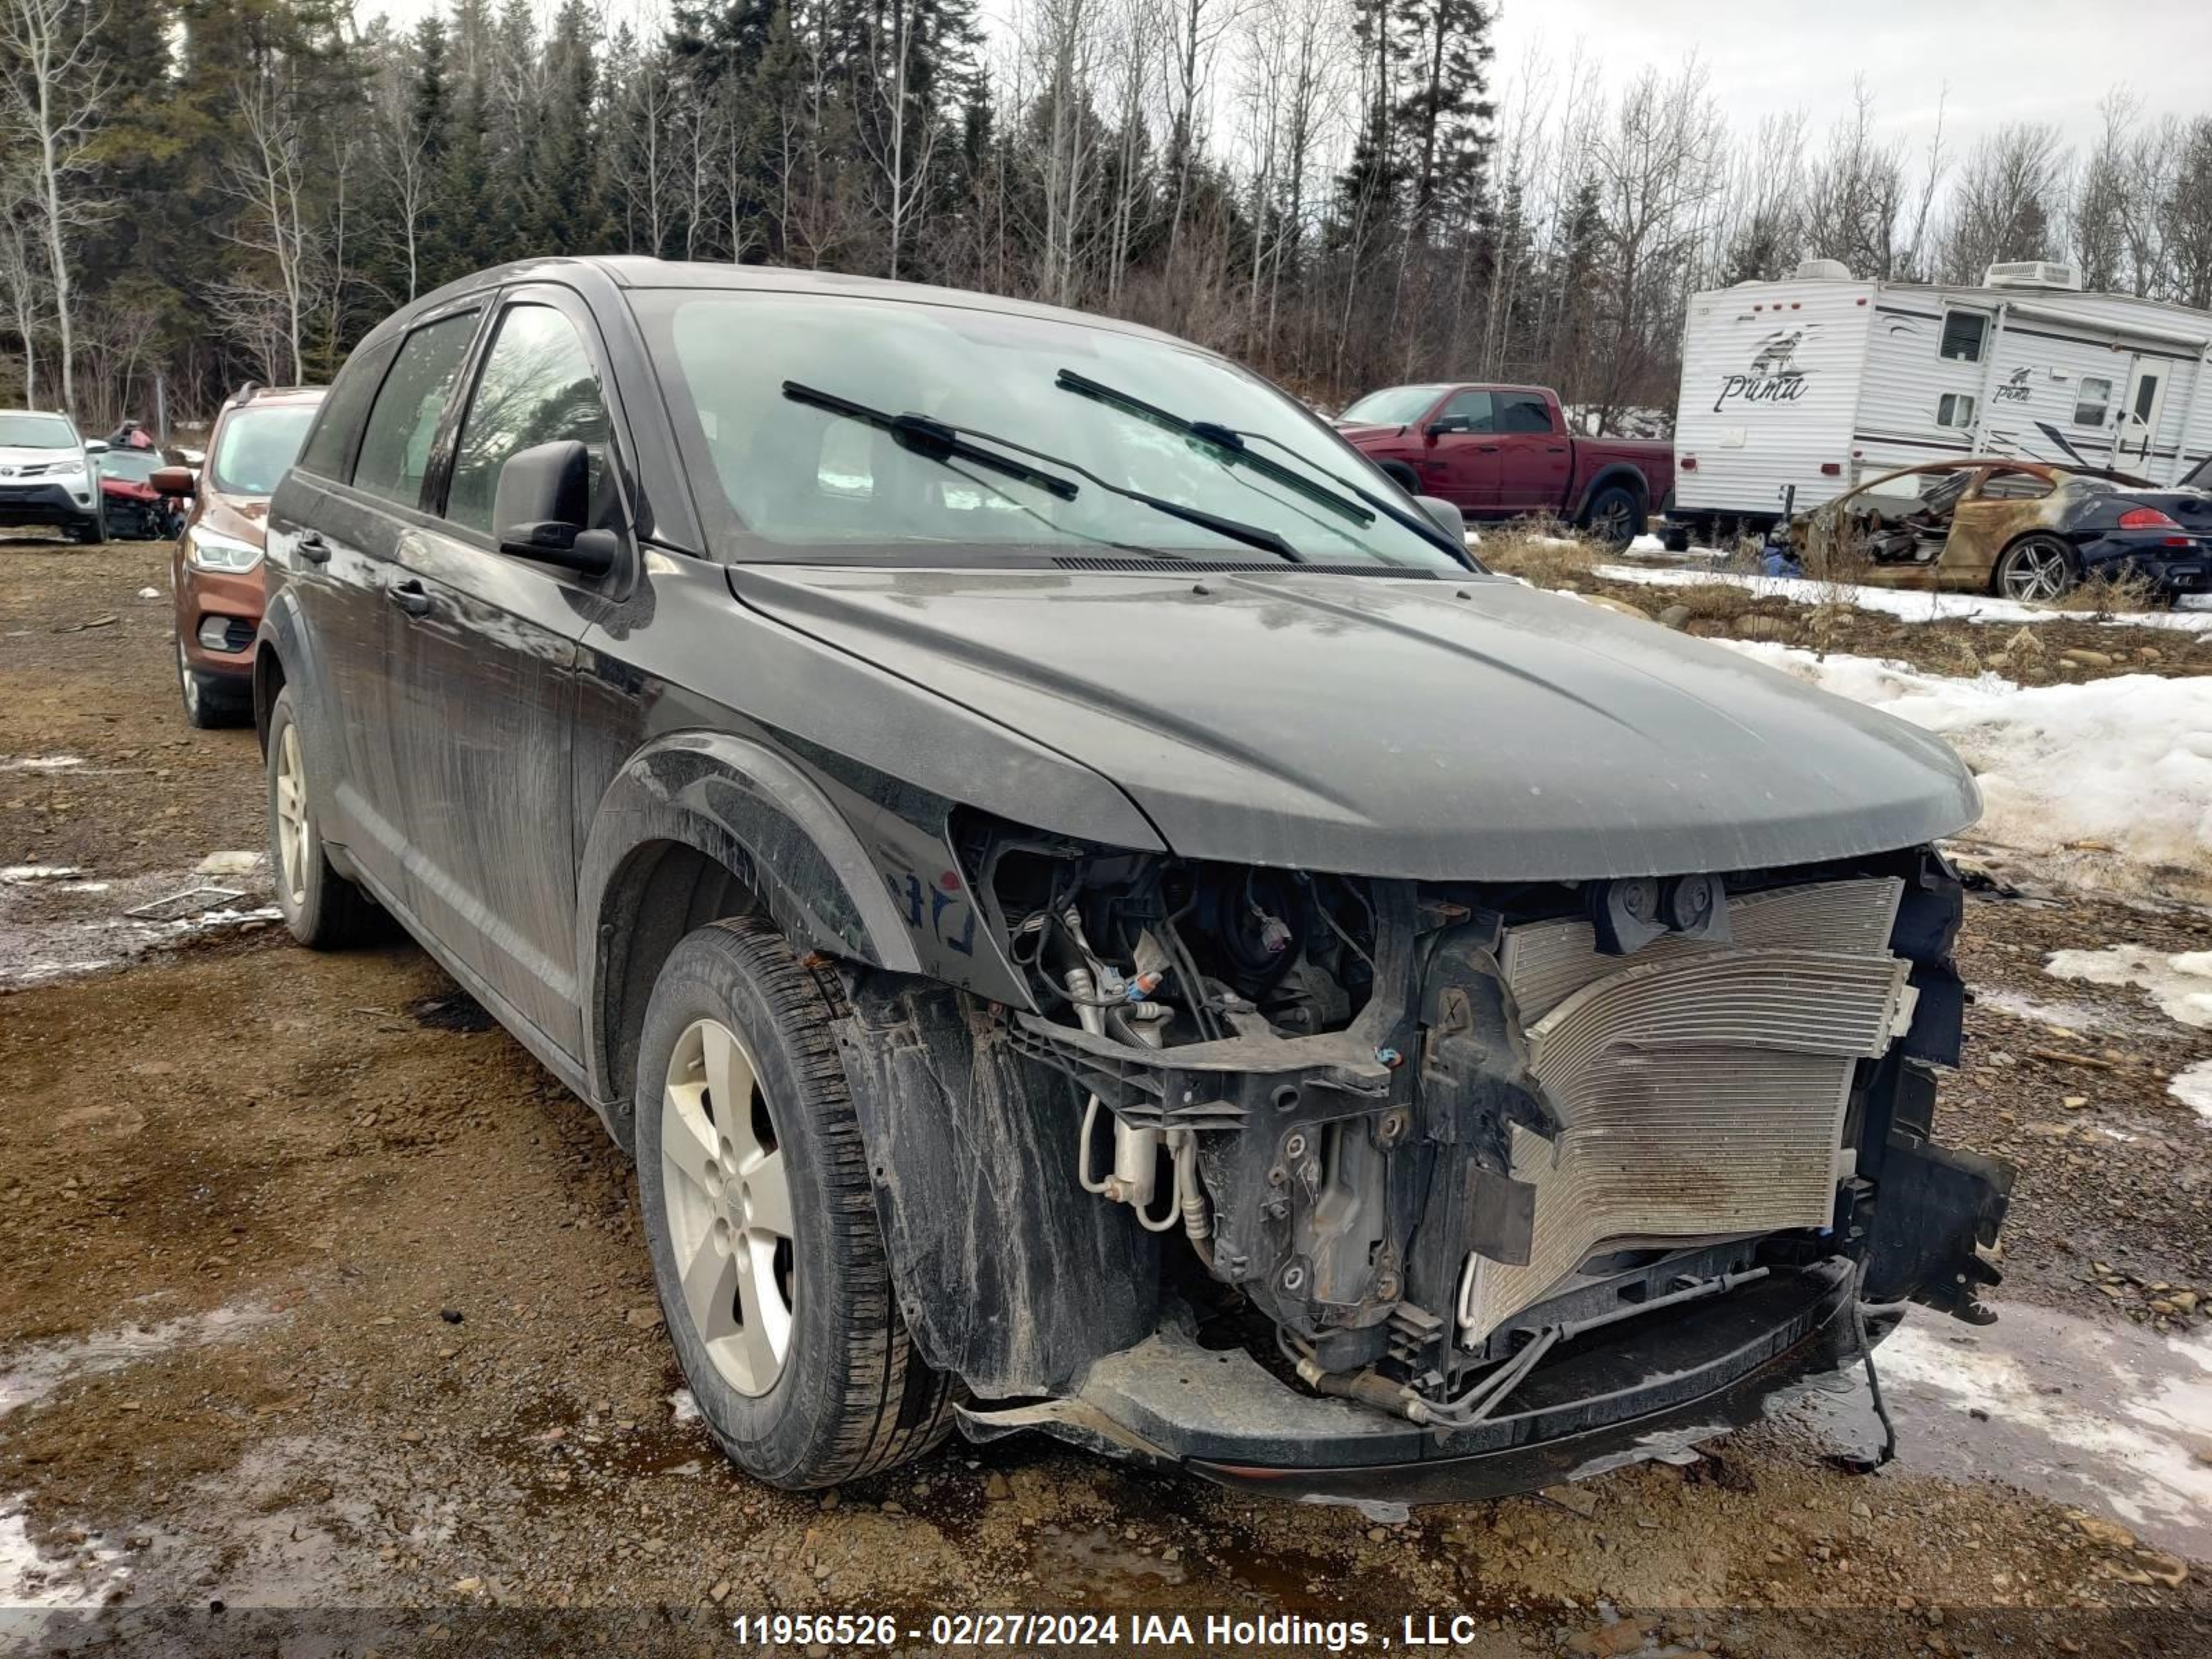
1394, 405
791, 478
37, 432
257, 446
136, 465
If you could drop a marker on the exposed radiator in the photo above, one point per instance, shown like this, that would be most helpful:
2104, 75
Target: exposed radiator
1702, 1086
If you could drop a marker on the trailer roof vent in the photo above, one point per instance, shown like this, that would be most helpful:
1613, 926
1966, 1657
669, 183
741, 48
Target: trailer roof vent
1823, 270
2035, 274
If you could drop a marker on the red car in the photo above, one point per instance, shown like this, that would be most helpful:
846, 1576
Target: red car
1504, 451
137, 511
215, 571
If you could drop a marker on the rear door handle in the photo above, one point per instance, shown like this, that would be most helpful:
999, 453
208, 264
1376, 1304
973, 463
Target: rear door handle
312, 548
409, 597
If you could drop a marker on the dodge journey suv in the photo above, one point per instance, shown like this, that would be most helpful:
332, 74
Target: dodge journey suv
1092, 914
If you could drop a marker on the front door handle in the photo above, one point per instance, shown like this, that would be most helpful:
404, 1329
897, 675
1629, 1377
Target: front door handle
312, 548
409, 597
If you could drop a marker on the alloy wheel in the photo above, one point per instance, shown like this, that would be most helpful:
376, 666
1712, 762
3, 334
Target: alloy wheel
2034, 570
291, 816
1614, 524
728, 1207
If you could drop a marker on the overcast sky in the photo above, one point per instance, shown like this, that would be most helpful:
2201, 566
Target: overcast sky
2002, 60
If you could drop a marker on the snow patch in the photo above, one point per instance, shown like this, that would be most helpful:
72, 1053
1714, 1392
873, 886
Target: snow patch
1905, 604
1650, 546
2071, 1017
30, 1579
682, 1407
2193, 1088
150, 593
2109, 781
2107, 1417
32, 1373
2181, 984
21, 872
42, 763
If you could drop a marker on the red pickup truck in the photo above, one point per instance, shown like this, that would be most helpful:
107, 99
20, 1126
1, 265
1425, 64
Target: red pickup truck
1504, 451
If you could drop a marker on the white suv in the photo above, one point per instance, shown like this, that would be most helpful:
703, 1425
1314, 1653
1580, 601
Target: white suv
48, 475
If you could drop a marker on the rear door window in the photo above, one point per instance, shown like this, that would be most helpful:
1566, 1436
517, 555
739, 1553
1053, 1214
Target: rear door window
1524, 412
538, 386
395, 448
336, 434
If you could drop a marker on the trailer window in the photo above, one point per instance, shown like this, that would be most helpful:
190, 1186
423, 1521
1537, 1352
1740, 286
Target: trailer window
1955, 409
2092, 401
1965, 334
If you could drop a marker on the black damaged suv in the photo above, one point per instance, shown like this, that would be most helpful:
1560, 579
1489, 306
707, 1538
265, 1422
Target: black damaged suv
1092, 913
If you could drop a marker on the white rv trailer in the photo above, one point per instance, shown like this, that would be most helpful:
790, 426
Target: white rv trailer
1796, 390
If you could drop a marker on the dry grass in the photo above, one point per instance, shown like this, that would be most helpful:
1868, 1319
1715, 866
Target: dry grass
1540, 551
2108, 594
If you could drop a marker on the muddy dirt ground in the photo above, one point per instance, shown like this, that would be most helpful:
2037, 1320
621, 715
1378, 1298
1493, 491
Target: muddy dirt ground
326, 1326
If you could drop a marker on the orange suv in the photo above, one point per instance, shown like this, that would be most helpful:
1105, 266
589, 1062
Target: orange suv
215, 571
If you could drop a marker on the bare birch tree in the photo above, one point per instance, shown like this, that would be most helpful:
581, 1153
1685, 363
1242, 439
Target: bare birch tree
53, 85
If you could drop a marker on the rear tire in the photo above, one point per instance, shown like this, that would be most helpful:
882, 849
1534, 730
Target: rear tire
209, 702
1614, 516
760, 1220
324, 911
2035, 569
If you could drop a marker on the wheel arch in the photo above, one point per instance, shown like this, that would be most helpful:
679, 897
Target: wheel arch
696, 827
1612, 473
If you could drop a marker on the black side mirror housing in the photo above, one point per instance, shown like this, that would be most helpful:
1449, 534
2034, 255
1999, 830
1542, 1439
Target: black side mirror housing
542, 505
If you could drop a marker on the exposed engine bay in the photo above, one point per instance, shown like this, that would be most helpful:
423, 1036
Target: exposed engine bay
1425, 1134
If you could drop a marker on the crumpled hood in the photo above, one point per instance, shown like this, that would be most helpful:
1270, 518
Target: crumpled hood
1392, 727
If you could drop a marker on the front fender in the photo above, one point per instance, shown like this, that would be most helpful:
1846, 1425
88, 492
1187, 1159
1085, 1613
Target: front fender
752, 811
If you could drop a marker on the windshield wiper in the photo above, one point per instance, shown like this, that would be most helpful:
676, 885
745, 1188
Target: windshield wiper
931, 439
937, 441
1230, 440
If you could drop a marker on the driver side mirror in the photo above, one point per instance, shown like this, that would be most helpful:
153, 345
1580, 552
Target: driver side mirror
1444, 429
541, 507
95, 445
173, 481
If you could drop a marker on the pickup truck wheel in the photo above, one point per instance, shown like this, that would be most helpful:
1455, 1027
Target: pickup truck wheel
761, 1221
1615, 516
324, 911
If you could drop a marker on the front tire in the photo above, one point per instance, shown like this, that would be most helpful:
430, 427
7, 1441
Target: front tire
1615, 516
324, 911
2035, 570
93, 530
209, 702
761, 1221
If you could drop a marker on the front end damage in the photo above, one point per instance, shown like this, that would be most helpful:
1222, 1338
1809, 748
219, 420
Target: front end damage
1386, 1189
